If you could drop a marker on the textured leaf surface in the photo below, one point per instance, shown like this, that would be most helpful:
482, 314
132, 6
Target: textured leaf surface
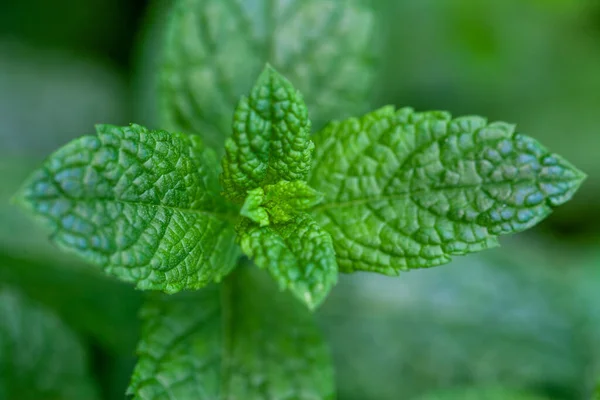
299, 255
214, 50
40, 357
253, 207
286, 199
81, 295
408, 190
270, 139
279, 203
142, 204
240, 340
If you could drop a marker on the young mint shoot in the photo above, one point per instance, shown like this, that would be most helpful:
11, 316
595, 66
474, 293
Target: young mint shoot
185, 209
389, 191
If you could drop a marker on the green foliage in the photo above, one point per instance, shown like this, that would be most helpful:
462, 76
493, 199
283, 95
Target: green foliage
141, 204
87, 300
93, 304
392, 190
509, 316
266, 162
280, 202
40, 357
486, 393
408, 190
532, 61
270, 139
240, 340
214, 49
298, 254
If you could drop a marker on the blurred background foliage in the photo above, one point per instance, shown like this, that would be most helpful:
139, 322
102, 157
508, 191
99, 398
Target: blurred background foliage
521, 319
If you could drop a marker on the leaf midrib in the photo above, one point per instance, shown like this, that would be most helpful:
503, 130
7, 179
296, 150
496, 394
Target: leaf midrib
226, 216
401, 195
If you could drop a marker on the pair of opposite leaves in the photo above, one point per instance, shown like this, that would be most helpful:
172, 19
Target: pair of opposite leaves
390, 191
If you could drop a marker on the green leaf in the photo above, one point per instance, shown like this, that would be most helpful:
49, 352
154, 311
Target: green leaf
285, 199
511, 315
40, 357
253, 207
270, 140
141, 204
481, 393
81, 295
240, 340
299, 255
94, 304
214, 50
409, 190
279, 203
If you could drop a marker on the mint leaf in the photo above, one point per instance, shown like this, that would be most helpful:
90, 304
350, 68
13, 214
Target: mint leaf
299, 255
214, 50
240, 340
142, 204
81, 295
40, 357
270, 139
253, 207
279, 203
285, 199
408, 190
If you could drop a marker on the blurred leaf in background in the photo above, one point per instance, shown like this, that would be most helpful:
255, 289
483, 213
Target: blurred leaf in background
481, 393
504, 317
146, 63
214, 50
40, 357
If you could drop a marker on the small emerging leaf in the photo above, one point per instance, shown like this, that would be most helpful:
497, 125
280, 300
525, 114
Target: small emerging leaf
271, 138
253, 207
299, 255
285, 200
409, 190
279, 203
238, 340
142, 204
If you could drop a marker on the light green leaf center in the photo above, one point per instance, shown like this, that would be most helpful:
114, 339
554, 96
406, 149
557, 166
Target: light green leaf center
279, 203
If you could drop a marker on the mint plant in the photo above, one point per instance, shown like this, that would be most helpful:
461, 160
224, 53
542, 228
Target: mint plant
388, 191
